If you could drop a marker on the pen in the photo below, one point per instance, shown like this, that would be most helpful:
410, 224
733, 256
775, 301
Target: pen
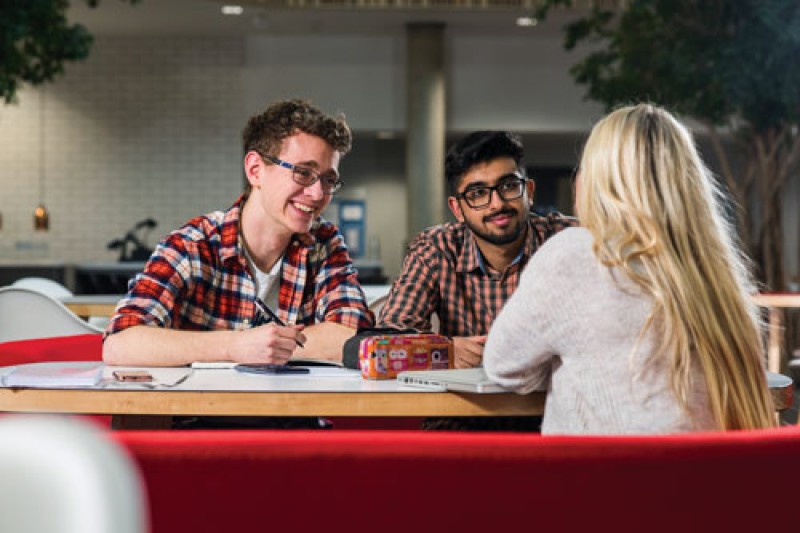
265, 310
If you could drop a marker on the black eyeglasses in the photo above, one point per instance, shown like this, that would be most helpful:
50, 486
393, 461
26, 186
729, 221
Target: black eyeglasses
307, 176
510, 187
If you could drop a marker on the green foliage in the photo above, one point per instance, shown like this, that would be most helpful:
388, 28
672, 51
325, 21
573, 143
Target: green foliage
711, 59
727, 63
768, 43
36, 40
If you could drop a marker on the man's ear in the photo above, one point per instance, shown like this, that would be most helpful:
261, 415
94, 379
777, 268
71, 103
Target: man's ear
530, 188
455, 207
252, 168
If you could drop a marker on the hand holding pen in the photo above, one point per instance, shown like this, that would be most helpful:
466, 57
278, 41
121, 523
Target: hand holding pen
268, 315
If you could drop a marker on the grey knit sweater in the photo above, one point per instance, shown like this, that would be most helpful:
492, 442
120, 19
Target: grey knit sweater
571, 328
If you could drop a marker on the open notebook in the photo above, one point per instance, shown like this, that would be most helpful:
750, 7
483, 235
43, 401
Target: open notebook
461, 379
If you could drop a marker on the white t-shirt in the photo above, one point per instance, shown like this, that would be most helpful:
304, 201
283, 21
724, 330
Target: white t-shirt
267, 283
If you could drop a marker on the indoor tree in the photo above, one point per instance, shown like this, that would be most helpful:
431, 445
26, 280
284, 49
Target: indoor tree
36, 40
730, 65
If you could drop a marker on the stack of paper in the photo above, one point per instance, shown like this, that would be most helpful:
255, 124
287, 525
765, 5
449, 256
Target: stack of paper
54, 375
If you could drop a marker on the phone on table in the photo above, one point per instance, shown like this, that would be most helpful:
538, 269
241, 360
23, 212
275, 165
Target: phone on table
133, 376
270, 368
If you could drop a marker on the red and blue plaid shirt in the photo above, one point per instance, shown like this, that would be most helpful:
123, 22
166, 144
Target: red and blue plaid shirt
443, 273
198, 279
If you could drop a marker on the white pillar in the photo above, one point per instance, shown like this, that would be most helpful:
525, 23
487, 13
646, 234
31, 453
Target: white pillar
425, 125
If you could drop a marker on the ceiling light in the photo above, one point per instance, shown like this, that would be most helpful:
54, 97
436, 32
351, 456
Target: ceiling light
527, 22
232, 10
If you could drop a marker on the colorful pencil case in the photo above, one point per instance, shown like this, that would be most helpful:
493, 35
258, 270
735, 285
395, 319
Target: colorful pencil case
383, 356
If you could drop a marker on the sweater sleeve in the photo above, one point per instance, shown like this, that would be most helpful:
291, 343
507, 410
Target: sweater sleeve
521, 350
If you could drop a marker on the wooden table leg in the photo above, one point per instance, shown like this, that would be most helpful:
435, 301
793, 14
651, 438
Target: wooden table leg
774, 347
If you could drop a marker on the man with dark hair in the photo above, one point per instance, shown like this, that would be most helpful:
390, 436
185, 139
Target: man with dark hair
208, 291
464, 272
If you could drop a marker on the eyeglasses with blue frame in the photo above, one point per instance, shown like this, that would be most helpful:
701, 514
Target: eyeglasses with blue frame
307, 177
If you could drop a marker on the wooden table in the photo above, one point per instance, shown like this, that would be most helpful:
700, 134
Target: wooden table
776, 302
229, 393
86, 305
326, 392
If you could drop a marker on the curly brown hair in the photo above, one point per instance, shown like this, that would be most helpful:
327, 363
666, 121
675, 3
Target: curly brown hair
265, 132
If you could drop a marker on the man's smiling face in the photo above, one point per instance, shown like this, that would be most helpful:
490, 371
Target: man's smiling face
501, 221
285, 203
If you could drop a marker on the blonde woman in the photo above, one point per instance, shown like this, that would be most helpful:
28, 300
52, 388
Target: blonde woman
640, 320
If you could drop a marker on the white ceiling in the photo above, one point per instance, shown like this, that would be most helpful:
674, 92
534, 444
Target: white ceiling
204, 17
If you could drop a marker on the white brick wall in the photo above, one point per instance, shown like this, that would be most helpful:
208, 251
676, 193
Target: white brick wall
143, 128
150, 127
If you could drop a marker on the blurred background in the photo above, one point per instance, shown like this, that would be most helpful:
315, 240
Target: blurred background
144, 133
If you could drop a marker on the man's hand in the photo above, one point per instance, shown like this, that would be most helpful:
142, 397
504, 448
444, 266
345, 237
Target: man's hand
269, 343
468, 351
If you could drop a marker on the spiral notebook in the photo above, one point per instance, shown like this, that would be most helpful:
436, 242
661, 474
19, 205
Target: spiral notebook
460, 379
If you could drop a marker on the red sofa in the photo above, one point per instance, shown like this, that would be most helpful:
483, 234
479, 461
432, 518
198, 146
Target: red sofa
359, 480
437, 481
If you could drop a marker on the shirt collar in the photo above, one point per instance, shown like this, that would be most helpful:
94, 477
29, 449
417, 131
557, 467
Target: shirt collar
471, 259
482, 261
233, 247
230, 246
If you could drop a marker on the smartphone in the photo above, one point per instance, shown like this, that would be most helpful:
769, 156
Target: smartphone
132, 376
270, 368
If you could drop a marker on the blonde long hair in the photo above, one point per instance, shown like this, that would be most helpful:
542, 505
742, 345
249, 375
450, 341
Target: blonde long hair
655, 211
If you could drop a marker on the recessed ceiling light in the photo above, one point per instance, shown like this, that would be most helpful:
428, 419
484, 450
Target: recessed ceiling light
527, 22
232, 10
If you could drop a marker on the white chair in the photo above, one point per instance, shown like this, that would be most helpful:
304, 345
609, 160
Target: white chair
29, 314
45, 286
62, 474
376, 304
59, 292
373, 292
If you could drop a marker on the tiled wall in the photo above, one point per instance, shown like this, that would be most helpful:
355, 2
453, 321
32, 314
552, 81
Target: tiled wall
143, 128
150, 127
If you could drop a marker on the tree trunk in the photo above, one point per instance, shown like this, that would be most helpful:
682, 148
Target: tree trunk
770, 158
775, 153
739, 185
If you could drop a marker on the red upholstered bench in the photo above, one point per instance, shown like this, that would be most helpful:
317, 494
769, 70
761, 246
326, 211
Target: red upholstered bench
400, 481
87, 347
